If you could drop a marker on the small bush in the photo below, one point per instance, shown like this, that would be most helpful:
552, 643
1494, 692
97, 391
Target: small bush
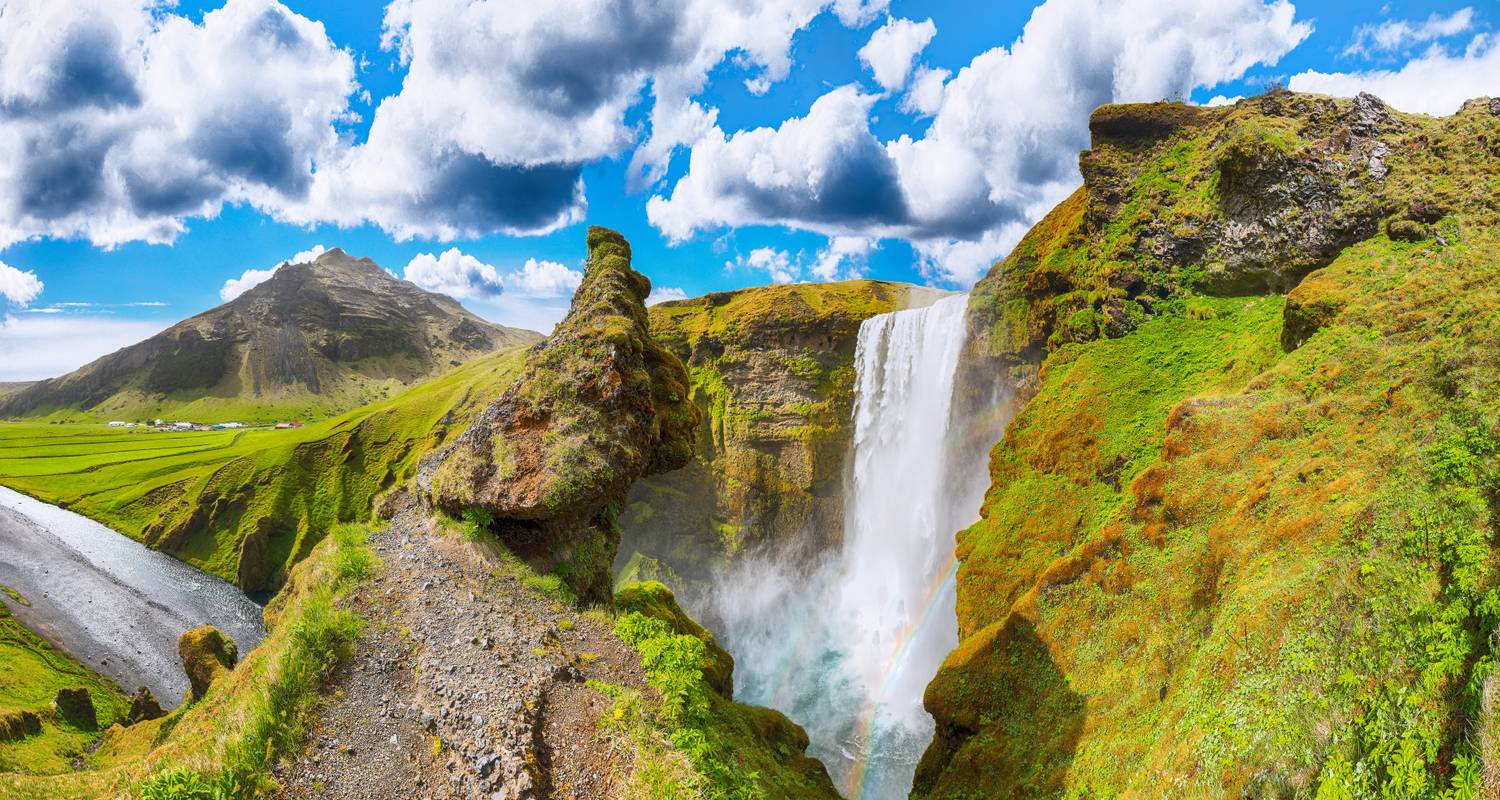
476, 522
177, 784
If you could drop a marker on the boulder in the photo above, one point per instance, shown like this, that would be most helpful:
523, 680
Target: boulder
206, 654
144, 708
17, 725
653, 599
75, 707
600, 404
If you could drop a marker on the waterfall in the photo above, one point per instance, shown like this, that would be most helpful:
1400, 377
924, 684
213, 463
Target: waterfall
848, 650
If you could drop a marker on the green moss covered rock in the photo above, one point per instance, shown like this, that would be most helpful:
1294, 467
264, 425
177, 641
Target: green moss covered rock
655, 600
772, 372
206, 654
598, 405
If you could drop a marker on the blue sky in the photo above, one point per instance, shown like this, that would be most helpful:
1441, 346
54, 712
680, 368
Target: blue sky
156, 152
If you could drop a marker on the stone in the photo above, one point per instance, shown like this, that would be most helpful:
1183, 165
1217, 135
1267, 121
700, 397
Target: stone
143, 707
75, 707
206, 655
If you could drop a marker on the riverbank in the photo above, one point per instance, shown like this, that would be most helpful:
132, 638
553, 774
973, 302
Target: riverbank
113, 604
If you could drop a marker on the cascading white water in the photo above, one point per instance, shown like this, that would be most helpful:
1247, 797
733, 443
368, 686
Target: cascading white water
848, 651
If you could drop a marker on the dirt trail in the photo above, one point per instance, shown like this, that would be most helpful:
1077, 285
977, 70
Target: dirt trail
467, 684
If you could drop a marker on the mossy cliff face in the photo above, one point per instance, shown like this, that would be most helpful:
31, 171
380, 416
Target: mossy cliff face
772, 372
1240, 542
598, 405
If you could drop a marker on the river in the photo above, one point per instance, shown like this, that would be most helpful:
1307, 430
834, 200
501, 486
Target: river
109, 601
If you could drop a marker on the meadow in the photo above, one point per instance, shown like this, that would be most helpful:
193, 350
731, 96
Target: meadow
246, 504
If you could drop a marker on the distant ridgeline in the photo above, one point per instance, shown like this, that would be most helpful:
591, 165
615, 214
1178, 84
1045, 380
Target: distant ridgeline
1240, 537
313, 340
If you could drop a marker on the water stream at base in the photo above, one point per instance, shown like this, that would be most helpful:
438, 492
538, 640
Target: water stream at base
848, 650
109, 601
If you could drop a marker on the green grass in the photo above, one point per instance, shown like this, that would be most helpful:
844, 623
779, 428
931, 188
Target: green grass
736, 752
209, 498
31, 673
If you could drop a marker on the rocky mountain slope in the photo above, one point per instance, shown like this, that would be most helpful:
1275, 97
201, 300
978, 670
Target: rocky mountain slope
327, 335
772, 371
1240, 536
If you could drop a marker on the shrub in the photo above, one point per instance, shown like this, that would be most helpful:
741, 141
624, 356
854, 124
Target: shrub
476, 522
179, 783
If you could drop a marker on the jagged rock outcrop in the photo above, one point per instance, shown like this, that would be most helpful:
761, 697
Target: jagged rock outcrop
600, 404
326, 334
75, 707
772, 373
17, 725
1249, 483
144, 708
206, 655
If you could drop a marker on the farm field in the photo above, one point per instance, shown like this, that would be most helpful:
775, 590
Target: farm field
201, 495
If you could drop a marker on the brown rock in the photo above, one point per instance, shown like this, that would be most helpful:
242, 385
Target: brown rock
144, 707
599, 404
206, 654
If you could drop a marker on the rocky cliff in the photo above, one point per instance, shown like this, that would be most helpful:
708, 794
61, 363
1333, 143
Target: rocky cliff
1240, 535
772, 373
549, 463
327, 335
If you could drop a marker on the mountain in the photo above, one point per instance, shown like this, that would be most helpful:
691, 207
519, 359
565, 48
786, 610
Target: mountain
1240, 534
316, 338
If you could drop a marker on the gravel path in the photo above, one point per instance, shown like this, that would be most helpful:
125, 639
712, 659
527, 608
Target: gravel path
468, 684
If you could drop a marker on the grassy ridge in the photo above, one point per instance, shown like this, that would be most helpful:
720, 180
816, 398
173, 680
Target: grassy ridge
245, 505
31, 673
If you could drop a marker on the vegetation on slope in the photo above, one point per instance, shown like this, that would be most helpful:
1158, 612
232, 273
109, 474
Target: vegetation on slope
224, 745
247, 505
737, 752
33, 738
772, 372
1239, 544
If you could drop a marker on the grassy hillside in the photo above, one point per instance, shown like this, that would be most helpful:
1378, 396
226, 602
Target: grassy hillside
246, 505
31, 673
1240, 542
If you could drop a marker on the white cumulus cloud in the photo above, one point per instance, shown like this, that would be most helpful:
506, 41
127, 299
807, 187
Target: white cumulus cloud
455, 274
1003, 144
1436, 82
19, 287
777, 264
119, 120
892, 48
1399, 34
665, 294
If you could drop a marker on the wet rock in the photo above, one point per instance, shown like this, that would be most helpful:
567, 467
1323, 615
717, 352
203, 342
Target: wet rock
206, 654
75, 707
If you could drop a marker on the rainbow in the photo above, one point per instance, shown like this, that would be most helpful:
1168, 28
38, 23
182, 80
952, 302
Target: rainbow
865, 725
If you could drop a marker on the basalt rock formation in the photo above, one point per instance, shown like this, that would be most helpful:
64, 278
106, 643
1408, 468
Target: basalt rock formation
772, 372
600, 404
1240, 536
326, 335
